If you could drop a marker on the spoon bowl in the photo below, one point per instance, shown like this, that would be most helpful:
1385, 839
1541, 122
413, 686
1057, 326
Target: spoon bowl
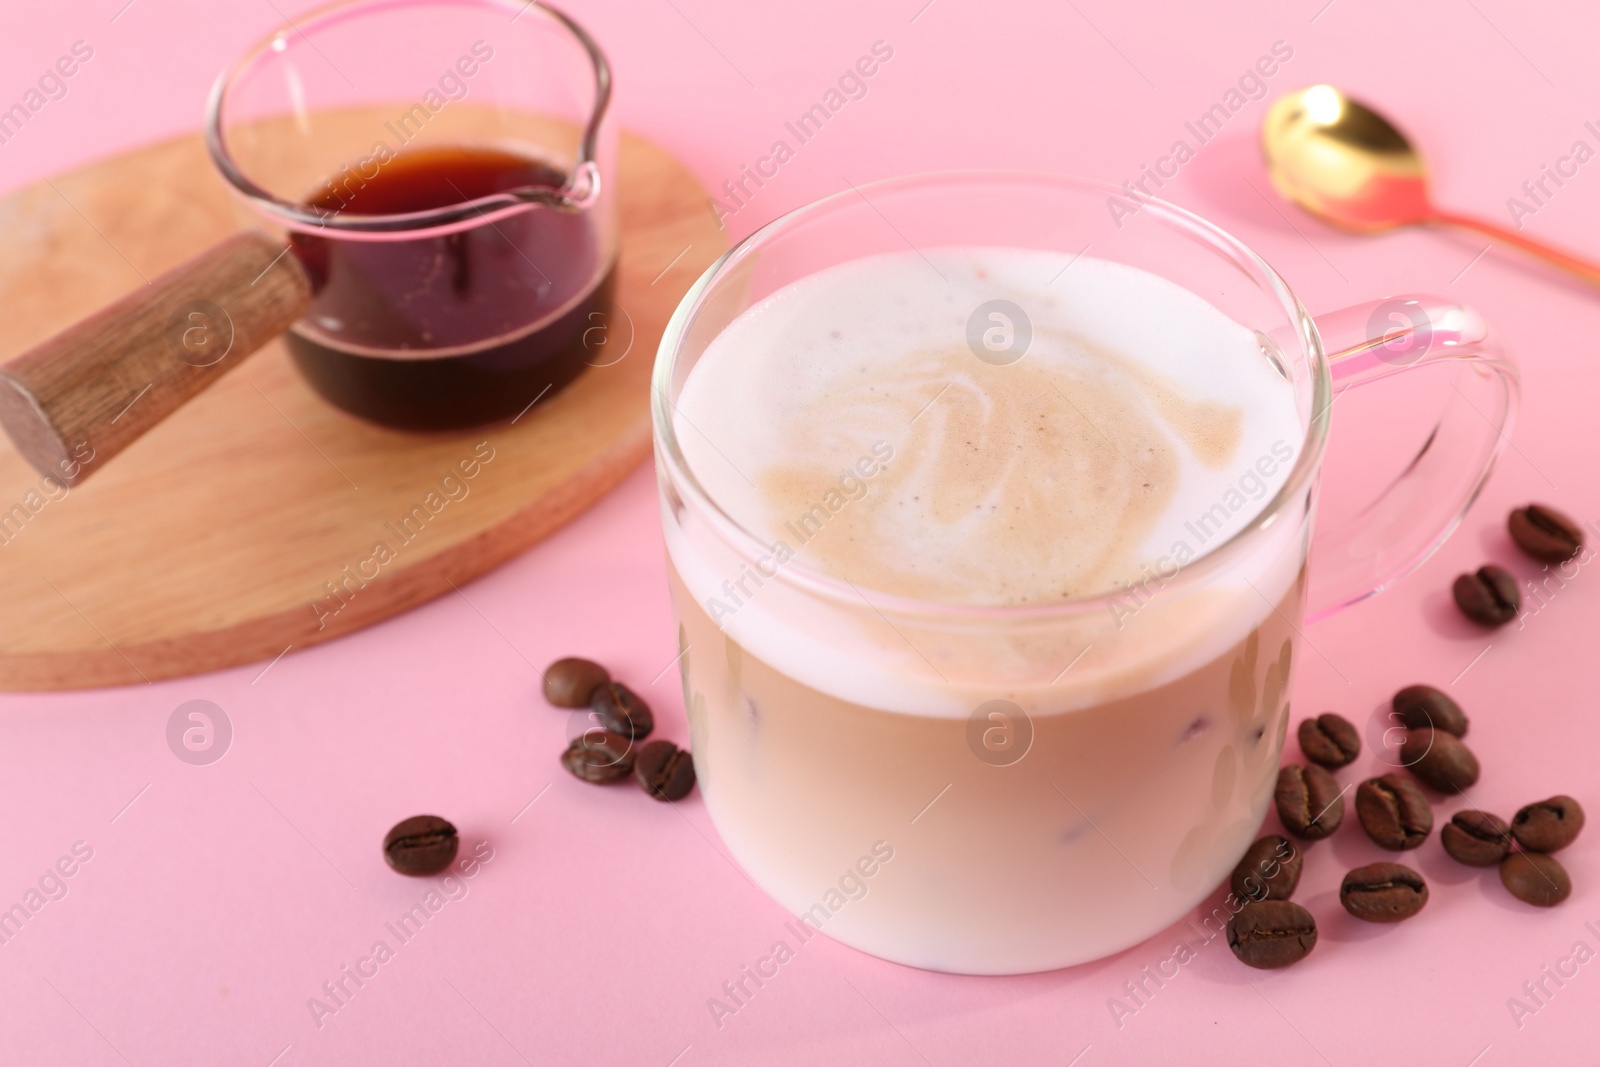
1340, 159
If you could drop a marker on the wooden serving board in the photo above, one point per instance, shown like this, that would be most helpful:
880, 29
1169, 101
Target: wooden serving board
224, 535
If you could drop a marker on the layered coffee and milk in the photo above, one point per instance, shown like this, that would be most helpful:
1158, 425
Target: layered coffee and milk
964, 624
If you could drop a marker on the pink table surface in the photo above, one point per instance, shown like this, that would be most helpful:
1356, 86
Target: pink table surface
219, 899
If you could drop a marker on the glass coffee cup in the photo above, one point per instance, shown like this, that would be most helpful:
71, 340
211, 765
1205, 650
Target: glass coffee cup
442, 169
998, 789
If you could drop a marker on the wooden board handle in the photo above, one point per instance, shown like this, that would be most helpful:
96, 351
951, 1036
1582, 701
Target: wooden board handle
76, 400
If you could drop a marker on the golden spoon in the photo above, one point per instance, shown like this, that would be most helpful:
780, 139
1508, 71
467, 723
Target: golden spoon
1339, 159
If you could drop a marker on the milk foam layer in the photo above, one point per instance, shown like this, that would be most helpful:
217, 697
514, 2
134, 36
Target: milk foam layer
847, 421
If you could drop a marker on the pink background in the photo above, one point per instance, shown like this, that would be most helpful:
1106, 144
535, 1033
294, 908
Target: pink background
220, 898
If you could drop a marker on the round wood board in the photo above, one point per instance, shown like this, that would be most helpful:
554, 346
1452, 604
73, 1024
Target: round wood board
225, 534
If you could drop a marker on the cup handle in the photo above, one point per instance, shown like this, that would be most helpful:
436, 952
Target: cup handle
1362, 555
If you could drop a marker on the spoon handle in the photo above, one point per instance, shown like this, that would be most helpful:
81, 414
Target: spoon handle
1588, 270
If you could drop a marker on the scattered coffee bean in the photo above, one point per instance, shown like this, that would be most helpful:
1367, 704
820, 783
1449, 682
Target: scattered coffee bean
1270, 870
1488, 597
1421, 707
1393, 812
1383, 892
1272, 933
1534, 878
620, 710
1329, 740
664, 770
1548, 826
568, 683
1476, 838
1545, 534
1439, 759
1309, 802
599, 756
422, 844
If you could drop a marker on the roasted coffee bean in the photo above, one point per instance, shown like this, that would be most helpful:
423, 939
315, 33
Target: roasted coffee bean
1393, 812
1383, 892
1534, 878
1329, 740
1272, 933
620, 710
1439, 759
1548, 826
1420, 707
599, 756
1488, 597
1270, 870
1309, 802
568, 683
1545, 534
422, 844
1476, 838
664, 770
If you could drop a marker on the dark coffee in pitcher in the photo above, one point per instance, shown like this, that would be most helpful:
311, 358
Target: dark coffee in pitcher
446, 332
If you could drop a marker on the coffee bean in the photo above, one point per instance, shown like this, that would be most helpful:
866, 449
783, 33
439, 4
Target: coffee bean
664, 770
1489, 596
1422, 706
1476, 838
1534, 878
1548, 826
620, 710
422, 844
1545, 534
1393, 812
1270, 870
599, 756
1329, 740
1439, 759
1309, 802
568, 683
1383, 892
1272, 933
